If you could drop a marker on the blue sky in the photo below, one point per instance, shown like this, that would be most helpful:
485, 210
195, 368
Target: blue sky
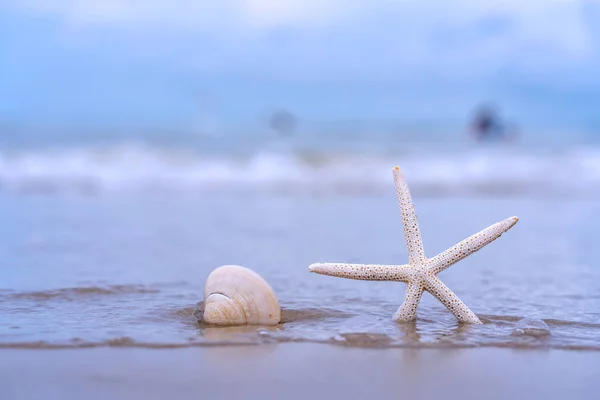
173, 63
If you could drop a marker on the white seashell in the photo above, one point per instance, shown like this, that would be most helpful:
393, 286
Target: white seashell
235, 295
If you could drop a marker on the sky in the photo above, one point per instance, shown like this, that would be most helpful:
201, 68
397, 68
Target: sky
170, 63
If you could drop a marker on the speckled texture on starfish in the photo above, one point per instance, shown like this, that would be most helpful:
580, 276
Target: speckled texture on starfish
420, 273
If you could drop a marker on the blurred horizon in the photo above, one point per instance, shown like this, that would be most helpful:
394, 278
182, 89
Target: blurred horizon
317, 95
85, 66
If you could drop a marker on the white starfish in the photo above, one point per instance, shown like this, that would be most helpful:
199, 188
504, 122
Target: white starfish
420, 273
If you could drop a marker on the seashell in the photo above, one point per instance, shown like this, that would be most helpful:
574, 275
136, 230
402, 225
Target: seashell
236, 295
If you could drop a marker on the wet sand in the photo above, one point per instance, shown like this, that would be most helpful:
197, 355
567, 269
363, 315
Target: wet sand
298, 371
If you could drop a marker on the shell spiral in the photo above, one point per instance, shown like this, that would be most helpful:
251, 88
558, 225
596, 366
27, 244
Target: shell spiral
236, 295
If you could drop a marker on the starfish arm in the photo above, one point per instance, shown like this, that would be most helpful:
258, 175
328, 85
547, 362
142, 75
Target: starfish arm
408, 309
470, 245
365, 272
441, 292
410, 224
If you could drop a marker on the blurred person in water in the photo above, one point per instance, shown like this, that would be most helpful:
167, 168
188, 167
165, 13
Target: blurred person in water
283, 122
487, 125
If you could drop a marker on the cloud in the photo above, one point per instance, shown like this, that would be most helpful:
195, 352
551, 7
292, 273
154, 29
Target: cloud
298, 39
324, 54
190, 14
552, 25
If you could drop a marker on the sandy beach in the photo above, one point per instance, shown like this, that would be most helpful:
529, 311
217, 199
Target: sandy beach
298, 371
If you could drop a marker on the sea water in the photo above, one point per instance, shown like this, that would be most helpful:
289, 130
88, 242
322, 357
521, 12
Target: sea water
109, 244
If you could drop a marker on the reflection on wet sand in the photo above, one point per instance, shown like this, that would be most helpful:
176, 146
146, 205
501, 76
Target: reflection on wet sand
240, 334
359, 331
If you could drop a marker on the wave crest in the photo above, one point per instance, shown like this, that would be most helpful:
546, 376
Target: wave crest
137, 168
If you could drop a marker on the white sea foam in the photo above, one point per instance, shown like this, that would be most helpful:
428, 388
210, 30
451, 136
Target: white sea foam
127, 168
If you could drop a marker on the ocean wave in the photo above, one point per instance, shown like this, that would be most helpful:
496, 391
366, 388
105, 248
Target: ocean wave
138, 168
329, 326
75, 293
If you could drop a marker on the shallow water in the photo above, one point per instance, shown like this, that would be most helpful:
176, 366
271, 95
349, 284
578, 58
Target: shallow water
128, 270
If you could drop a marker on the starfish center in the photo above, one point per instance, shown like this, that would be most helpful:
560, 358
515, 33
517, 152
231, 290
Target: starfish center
420, 274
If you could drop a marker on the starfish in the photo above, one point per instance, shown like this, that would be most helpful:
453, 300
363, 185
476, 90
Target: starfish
420, 274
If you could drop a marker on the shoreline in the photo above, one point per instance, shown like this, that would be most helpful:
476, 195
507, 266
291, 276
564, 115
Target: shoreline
297, 371
126, 343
